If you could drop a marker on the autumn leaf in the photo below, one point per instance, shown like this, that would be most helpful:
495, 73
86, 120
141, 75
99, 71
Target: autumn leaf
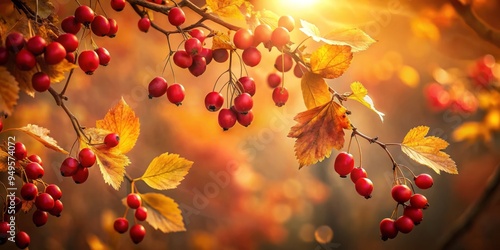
310, 30
221, 41
331, 61
4, 159
360, 94
268, 17
121, 119
319, 130
57, 72
226, 8
314, 90
9, 92
41, 134
426, 150
44, 8
166, 171
163, 213
471, 131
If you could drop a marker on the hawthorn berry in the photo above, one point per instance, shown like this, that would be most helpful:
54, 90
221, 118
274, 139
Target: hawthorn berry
144, 24
243, 103
220, 55
280, 37
176, 16
251, 56
227, 118
88, 61
40, 81
245, 119
207, 53
87, 157
44, 202
4, 231
198, 66
70, 57
36, 45
113, 27
192, 46
401, 193
34, 158
81, 175
175, 93
40, 217
364, 187
358, 173
69, 166
121, 225
214, 101
280, 96
100, 26
415, 214
344, 164
286, 22
423, 181
388, 229
25, 60
33, 170
118, 5
133, 200
70, 25
14, 41
137, 233
68, 41
262, 34
283, 63
84, 14
299, 70
273, 80
55, 52
111, 140
419, 201
247, 85
243, 39
4, 55
54, 191
183, 59
29, 191
198, 34
404, 224
57, 209
157, 87
141, 213
22, 239
104, 56
20, 151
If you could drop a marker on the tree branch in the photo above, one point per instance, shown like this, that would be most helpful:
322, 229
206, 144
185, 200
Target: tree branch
483, 30
465, 222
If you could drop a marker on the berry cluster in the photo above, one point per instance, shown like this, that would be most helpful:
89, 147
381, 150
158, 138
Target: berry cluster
137, 231
344, 165
30, 170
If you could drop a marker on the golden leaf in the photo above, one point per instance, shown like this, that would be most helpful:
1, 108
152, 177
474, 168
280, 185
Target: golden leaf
95, 243
57, 72
111, 161
166, 171
226, 8
163, 213
360, 94
331, 61
471, 131
9, 92
121, 119
26, 206
41, 134
4, 159
314, 90
222, 41
426, 150
318, 131
268, 17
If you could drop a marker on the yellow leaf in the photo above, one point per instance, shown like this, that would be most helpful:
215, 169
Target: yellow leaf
310, 30
111, 161
268, 17
471, 131
4, 159
95, 243
360, 94
426, 150
9, 92
226, 8
166, 171
42, 135
318, 131
121, 119
331, 61
314, 90
57, 72
221, 41
163, 213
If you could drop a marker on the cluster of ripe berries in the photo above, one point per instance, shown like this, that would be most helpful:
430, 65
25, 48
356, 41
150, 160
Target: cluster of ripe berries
412, 203
78, 169
46, 203
137, 231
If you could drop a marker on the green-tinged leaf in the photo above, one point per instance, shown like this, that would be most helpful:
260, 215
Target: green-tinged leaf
331, 61
166, 171
314, 90
163, 213
360, 94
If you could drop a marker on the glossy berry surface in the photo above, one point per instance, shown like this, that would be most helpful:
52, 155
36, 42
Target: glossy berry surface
68, 41
388, 229
54, 191
55, 53
243, 39
192, 46
415, 214
104, 56
220, 55
157, 87
358, 173
280, 37
100, 26
118, 5
401, 193
251, 56
283, 63
245, 119
175, 93
144, 24
182, 59
404, 224
25, 60
69, 166
243, 103
176, 16
22, 239
214, 101
419, 201
20, 151
70, 25
141, 213
40, 81
81, 175
364, 187
44, 202
111, 140
226, 118
29, 191
273, 80
84, 14
57, 209
133, 200
280, 96
198, 66
247, 85
286, 22
113, 27
262, 34
344, 164
34, 171
14, 41
40, 218
198, 34
34, 158
423, 181
137, 233
36, 45
88, 61
121, 225
87, 157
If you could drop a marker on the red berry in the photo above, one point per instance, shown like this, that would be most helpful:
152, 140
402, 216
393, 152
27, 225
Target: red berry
358, 173
273, 80
182, 59
121, 225
227, 118
245, 119
243, 103
81, 175
104, 56
25, 60
176, 16
193, 46
34, 171
88, 61
20, 151
14, 41
198, 66
4, 231
87, 157
36, 45
286, 22
247, 85
175, 93
283, 63
40, 217
4, 55
118, 5
44, 202
364, 187
262, 34
419, 201
214, 101
68, 41
69, 167
438, 97
198, 34
84, 14
220, 55
70, 25
40, 81
388, 229
157, 87
207, 53
54, 191
243, 38
29, 191
141, 213
133, 200
280, 96
401, 193
299, 70
55, 51
137, 232
144, 24
423, 181
113, 27
22, 240
251, 56
280, 37
112, 140
34, 158
70, 57
344, 164
57, 209
415, 214
404, 224
100, 26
